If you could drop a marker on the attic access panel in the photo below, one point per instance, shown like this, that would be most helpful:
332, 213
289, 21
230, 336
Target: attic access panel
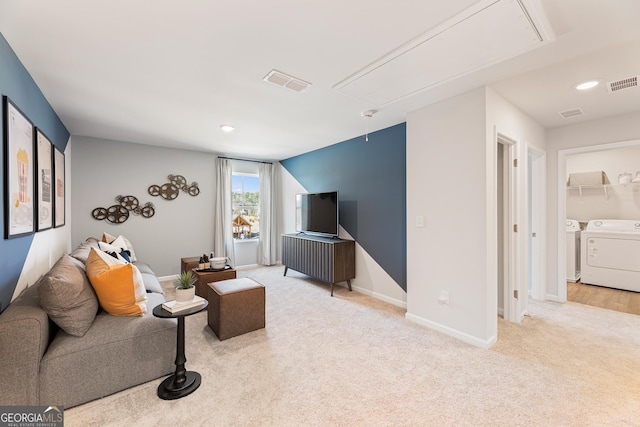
486, 33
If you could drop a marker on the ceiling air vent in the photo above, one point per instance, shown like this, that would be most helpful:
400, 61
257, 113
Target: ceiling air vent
627, 83
571, 113
285, 80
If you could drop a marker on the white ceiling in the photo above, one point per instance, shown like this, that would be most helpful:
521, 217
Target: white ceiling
170, 73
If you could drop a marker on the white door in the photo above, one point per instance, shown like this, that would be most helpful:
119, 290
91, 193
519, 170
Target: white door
509, 270
537, 223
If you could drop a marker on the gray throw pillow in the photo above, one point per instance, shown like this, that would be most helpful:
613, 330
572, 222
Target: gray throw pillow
82, 251
67, 297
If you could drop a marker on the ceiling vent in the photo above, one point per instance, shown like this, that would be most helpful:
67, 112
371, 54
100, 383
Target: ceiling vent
618, 85
285, 80
571, 113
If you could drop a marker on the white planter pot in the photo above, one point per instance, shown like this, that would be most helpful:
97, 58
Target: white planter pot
184, 295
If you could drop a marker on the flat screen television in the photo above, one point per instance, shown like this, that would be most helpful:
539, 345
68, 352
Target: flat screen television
317, 213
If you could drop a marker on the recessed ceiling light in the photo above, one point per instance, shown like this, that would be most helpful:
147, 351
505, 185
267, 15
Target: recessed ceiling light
587, 85
227, 128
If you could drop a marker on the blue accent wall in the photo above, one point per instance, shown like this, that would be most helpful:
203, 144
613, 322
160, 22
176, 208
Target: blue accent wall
17, 84
371, 179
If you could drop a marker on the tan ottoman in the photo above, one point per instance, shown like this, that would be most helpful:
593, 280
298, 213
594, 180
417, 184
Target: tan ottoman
236, 306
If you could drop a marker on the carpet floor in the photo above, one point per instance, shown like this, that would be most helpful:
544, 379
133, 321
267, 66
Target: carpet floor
353, 360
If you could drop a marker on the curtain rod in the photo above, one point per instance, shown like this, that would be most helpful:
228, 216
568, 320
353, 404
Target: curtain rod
245, 160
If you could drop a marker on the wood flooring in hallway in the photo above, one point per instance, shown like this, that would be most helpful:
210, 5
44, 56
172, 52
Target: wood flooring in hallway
598, 296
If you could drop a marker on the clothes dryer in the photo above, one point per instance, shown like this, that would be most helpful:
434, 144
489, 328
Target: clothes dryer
610, 254
573, 250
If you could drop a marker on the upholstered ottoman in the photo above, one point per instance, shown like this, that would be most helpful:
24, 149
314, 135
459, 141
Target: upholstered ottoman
236, 306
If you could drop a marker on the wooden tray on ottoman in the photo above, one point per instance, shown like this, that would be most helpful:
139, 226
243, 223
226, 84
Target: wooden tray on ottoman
209, 276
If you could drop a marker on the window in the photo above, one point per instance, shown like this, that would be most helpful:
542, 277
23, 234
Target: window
245, 203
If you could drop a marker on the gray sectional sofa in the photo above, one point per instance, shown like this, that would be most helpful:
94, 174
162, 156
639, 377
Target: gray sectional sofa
41, 364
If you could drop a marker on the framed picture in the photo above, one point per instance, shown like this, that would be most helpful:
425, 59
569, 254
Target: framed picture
19, 164
43, 180
59, 190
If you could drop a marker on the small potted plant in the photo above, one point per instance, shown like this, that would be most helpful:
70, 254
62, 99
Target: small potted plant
186, 290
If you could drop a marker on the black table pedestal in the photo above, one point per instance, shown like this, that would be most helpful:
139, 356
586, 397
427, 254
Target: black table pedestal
168, 390
182, 382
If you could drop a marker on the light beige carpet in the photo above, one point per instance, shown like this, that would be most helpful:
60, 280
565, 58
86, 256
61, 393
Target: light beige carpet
352, 360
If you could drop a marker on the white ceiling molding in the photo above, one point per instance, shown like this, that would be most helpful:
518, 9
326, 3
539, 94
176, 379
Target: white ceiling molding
484, 34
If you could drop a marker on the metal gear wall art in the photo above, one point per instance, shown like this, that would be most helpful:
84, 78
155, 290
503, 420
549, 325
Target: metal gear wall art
170, 190
119, 213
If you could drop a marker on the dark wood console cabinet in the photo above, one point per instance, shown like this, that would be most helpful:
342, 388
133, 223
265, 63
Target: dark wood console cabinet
331, 260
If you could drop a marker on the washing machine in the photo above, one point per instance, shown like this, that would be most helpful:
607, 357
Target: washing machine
573, 250
610, 254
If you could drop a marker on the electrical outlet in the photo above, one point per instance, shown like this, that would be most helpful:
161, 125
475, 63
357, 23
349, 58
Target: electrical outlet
443, 298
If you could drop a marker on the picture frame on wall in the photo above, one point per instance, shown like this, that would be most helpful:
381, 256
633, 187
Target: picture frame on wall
59, 188
44, 181
19, 167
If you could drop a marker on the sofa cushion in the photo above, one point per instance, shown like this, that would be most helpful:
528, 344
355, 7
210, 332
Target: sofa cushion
117, 249
117, 353
25, 331
120, 289
108, 238
82, 251
151, 283
98, 262
67, 296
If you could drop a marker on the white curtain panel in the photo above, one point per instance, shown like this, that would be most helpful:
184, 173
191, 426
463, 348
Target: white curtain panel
223, 212
267, 246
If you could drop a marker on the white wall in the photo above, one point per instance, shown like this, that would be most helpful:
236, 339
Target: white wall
447, 183
604, 131
504, 118
182, 227
452, 182
49, 245
623, 201
370, 279
289, 187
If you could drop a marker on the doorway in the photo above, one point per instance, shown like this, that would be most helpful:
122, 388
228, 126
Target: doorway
562, 202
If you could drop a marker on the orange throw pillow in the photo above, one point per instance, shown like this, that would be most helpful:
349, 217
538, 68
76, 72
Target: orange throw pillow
120, 290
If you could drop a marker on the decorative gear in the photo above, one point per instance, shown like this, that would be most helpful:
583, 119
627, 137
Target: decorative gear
99, 213
129, 202
154, 190
169, 191
117, 214
177, 180
148, 210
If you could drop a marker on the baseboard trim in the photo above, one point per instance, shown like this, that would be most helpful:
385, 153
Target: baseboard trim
247, 266
554, 298
381, 297
452, 332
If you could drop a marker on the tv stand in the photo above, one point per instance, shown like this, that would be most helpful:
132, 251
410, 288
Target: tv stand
328, 259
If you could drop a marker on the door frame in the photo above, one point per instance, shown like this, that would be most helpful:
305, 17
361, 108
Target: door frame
562, 207
511, 241
537, 210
